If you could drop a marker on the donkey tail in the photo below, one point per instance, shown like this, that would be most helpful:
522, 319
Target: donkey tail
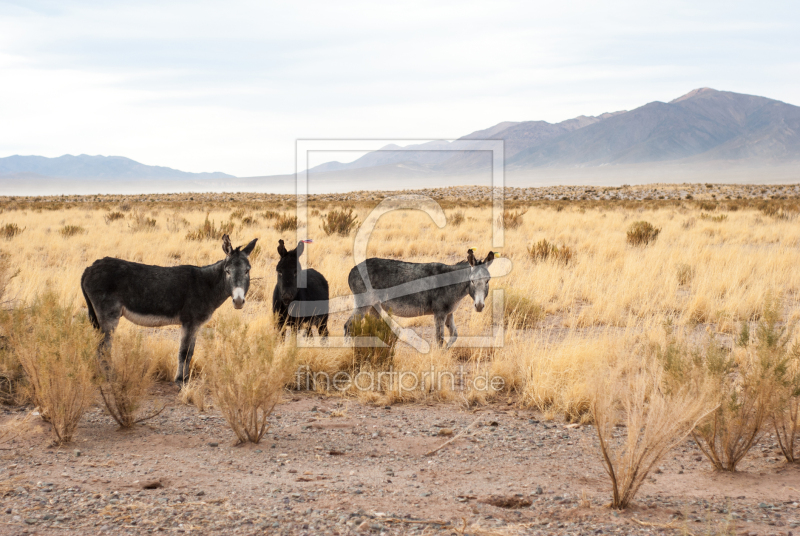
92, 314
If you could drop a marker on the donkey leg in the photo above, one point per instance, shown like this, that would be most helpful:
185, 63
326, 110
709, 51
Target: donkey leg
439, 322
188, 338
322, 328
451, 327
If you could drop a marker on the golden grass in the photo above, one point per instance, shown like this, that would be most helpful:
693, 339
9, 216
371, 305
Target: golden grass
126, 375
563, 321
631, 392
58, 353
247, 373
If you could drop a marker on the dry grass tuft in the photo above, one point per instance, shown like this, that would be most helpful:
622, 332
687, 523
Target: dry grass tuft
247, 374
113, 216
141, 222
457, 218
521, 312
10, 230
543, 250
127, 376
193, 393
209, 231
57, 352
71, 230
655, 420
377, 356
284, 223
339, 222
511, 220
641, 233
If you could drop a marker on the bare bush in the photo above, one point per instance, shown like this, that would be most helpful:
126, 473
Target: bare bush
543, 251
339, 222
127, 375
457, 218
57, 352
641, 233
209, 231
655, 420
247, 375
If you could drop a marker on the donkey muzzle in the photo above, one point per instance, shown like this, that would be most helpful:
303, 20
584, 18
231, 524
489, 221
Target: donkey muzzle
238, 298
478, 307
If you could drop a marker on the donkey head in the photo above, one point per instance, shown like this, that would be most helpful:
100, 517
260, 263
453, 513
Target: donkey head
237, 270
287, 271
479, 279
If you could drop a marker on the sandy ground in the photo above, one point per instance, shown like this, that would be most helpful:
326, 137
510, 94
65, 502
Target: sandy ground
333, 466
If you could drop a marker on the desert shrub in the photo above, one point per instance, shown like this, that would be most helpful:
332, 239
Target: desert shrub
237, 214
707, 205
521, 312
113, 216
457, 218
249, 221
58, 353
641, 233
543, 251
247, 374
71, 230
176, 223
685, 273
655, 420
209, 231
366, 350
339, 222
769, 209
270, 215
10, 230
141, 222
284, 222
511, 220
744, 381
127, 374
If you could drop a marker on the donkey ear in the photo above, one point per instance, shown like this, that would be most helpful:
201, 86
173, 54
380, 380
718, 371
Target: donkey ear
248, 249
226, 245
301, 246
281, 249
489, 258
470, 257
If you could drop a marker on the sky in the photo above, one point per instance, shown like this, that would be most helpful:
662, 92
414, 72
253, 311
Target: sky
229, 86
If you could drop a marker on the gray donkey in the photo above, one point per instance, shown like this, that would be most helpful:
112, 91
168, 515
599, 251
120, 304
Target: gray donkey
155, 296
409, 289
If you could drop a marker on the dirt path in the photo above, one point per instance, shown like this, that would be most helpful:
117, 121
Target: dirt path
330, 466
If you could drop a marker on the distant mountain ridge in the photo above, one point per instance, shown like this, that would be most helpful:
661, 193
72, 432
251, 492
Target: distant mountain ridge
93, 168
704, 125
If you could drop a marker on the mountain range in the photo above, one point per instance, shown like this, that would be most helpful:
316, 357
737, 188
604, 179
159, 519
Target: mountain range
88, 167
705, 125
